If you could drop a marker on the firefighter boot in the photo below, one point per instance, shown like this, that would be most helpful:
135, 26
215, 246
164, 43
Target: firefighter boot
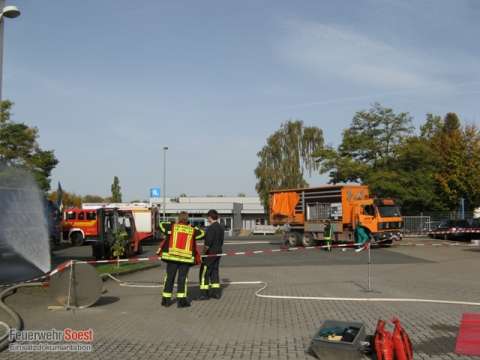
204, 295
183, 303
166, 301
216, 293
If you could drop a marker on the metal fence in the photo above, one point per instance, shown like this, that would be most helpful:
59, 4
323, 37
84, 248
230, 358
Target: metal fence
417, 224
423, 224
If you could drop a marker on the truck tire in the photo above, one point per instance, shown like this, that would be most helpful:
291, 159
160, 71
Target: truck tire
294, 239
77, 238
308, 240
97, 252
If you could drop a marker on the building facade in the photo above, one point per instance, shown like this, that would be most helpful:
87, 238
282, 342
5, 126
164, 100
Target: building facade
237, 214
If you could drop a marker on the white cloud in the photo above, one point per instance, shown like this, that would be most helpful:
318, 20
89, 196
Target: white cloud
328, 50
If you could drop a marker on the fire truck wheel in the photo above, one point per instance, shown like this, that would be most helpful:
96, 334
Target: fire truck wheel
77, 239
294, 239
308, 240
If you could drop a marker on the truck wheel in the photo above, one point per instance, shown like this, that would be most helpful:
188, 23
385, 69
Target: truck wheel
308, 240
77, 239
97, 251
294, 239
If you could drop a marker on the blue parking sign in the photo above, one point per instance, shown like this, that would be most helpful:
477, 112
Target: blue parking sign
155, 192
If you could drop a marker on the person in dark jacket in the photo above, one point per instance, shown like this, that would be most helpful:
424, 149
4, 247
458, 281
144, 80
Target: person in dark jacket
209, 272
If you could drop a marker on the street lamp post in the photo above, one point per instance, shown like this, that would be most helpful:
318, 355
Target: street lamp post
5, 12
165, 148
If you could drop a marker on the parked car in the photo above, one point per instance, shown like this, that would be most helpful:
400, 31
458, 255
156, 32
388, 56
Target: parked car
476, 229
452, 230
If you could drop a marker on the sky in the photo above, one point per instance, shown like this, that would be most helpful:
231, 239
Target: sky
109, 83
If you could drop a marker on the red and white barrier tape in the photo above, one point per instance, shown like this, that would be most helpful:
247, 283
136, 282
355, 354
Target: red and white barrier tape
456, 231
457, 244
44, 277
230, 253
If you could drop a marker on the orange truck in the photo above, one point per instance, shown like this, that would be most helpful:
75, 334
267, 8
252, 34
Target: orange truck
305, 214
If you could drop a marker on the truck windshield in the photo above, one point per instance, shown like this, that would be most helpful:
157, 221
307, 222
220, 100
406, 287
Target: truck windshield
389, 211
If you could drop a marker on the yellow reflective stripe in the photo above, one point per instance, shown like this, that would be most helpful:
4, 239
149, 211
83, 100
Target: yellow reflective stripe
82, 223
184, 293
201, 235
162, 226
202, 282
180, 252
215, 286
167, 256
166, 294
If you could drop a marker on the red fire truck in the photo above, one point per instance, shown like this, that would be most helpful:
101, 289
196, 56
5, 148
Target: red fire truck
79, 225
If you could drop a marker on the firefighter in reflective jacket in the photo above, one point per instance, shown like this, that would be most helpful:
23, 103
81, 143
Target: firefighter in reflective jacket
179, 251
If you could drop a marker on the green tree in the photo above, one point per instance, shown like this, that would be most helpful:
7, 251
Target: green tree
369, 143
19, 147
426, 172
380, 150
412, 179
93, 199
285, 158
116, 190
458, 165
471, 136
68, 199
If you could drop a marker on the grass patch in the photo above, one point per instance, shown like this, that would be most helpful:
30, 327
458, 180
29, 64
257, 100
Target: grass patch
124, 267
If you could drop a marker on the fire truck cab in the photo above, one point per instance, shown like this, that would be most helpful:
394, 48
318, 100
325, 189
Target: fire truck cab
79, 225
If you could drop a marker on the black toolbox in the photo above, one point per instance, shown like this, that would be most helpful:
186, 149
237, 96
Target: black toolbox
348, 348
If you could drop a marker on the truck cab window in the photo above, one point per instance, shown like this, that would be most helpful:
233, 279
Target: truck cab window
81, 216
369, 210
71, 216
91, 216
